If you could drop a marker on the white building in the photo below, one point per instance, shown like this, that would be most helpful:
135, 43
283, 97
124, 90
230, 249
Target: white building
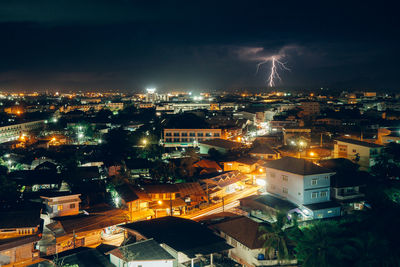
303, 183
363, 153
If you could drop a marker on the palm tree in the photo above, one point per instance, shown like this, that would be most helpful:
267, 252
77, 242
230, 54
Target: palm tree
325, 244
276, 236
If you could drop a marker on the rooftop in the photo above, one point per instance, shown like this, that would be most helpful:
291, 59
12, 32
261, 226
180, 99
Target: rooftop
146, 250
359, 143
222, 143
243, 229
183, 235
296, 166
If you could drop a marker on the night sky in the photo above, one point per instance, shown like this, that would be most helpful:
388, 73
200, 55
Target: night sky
117, 44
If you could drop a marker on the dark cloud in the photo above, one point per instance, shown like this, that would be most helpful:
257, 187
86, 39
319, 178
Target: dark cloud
187, 44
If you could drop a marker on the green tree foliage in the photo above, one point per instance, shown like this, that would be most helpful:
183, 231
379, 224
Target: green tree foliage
276, 236
324, 244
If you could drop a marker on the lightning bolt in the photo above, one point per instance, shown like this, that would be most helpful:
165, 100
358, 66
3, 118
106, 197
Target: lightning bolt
276, 65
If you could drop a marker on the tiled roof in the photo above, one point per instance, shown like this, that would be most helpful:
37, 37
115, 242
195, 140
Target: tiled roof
242, 229
296, 166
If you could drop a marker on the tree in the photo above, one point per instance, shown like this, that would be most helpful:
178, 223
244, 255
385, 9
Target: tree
276, 236
325, 243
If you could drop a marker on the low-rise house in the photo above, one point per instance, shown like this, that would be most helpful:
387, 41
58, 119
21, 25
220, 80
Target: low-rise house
192, 193
207, 166
146, 253
60, 204
221, 145
85, 230
243, 234
184, 239
303, 183
263, 151
245, 165
164, 198
218, 185
363, 153
135, 200
19, 232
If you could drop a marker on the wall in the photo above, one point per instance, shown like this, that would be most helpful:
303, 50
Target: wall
294, 185
323, 185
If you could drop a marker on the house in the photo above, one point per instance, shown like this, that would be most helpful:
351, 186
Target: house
60, 204
303, 183
136, 201
295, 135
245, 165
18, 223
192, 193
347, 184
164, 198
221, 145
218, 185
243, 234
264, 151
207, 166
19, 250
363, 153
20, 230
145, 253
85, 229
184, 239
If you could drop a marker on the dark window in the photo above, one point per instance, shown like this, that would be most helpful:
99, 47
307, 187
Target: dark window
168, 134
72, 206
176, 134
184, 134
200, 134
176, 139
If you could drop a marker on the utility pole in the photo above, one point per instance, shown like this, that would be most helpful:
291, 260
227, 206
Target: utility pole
223, 204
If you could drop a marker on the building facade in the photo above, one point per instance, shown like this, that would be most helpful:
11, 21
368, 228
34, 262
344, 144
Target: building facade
188, 137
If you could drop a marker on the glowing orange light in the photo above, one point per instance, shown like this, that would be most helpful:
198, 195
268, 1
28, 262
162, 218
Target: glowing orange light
312, 154
159, 202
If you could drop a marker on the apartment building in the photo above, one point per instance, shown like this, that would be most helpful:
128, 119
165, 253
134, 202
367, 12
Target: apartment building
13, 132
363, 153
188, 137
303, 183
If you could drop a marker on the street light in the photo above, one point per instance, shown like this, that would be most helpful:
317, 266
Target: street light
144, 141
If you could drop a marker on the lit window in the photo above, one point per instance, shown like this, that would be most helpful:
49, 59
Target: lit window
59, 207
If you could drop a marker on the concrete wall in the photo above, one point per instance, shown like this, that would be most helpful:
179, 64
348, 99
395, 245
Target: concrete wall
294, 185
